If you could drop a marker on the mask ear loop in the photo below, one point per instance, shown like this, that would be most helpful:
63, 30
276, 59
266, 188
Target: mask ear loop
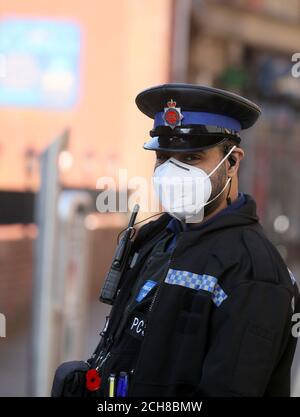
227, 182
222, 160
228, 199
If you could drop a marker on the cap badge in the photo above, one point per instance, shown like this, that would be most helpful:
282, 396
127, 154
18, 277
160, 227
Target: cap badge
172, 114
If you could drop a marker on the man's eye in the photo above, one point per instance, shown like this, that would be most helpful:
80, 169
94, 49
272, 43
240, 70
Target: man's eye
191, 158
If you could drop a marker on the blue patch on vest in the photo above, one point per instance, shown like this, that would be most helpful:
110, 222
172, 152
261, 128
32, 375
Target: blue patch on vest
197, 282
146, 288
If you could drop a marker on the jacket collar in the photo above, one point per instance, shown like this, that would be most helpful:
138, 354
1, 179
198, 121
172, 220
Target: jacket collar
240, 215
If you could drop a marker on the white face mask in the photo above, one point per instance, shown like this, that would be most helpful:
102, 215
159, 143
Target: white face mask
184, 190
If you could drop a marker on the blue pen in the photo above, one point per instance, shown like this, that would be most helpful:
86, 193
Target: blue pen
122, 387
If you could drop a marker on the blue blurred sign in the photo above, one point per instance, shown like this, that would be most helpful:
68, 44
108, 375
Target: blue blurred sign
42, 61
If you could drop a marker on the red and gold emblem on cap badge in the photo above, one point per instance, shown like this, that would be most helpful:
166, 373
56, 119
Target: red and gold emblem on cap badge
172, 115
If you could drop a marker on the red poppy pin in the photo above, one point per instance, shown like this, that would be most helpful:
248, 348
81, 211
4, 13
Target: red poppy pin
93, 380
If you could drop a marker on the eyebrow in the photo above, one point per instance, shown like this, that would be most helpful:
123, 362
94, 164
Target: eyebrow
158, 152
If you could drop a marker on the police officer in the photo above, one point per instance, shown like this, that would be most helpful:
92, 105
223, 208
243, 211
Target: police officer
205, 306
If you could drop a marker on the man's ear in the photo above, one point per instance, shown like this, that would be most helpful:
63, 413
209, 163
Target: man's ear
231, 161
234, 161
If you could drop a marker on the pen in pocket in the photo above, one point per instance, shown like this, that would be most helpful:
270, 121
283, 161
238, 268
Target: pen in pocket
112, 381
122, 388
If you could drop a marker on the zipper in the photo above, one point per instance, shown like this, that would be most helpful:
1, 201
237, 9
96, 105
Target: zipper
155, 295
161, 281
150, 312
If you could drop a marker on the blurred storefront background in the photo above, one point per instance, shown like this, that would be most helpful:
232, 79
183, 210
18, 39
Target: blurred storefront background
66, 65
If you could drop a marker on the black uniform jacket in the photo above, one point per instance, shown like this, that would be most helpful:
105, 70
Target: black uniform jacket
221, 322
